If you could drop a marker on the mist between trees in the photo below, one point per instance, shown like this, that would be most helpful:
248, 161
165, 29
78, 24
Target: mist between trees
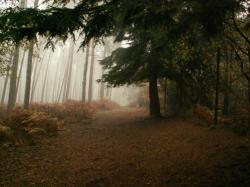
58, 75
175, 55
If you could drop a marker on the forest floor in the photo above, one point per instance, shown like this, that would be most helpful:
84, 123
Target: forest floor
124, 148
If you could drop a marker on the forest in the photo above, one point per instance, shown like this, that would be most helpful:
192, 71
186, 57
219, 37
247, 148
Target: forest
102, 93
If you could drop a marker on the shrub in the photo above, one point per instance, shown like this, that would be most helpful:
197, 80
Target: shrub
103, 105
203, 113
23, 126
70, 111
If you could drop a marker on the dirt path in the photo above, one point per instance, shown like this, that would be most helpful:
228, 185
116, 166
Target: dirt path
122, 148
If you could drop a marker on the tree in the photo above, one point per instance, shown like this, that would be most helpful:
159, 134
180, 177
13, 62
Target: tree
20, 74
84, 82
45, 78
68, 73
13, 76
29, 70
151, 27
13, 80
91, 72
217, 86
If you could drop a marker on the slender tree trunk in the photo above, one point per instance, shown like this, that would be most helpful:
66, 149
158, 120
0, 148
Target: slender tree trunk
165, 94
154, 102
55, 83
57, 99
92, 64
19, 74
45, 79
84, 82
69, 72
102, 88
217, 89
28, 76
34, 74
61, 90
226, 92
248, 89
13, 80
13, 76
5, 86
27, 93
64, 83
36, 77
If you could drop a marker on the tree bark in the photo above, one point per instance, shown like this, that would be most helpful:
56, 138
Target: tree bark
69, 72
226, 91
217, 89
248, 81
92, 63
5, 86
45, 79
19, 74
13, 80
36, 77
13, 76
28, 76
84, 82
154, 102
102, 88
165, 94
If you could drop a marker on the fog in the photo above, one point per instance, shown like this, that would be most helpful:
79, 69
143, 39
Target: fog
53, 73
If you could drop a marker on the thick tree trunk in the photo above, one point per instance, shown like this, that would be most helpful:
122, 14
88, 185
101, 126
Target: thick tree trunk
92, 64
154, 102
28, 76
13, 80
217, 89
84, 82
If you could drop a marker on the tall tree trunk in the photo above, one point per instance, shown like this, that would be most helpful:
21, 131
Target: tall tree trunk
6, 80
45, 79
226, 91
102, 88
92, 64
36, 77
20, 73
13, 79
165, 94
84, 82
248, 89
13, 76
28, 76
217, 89
69, 71
154, 102
55, 86
61, 90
